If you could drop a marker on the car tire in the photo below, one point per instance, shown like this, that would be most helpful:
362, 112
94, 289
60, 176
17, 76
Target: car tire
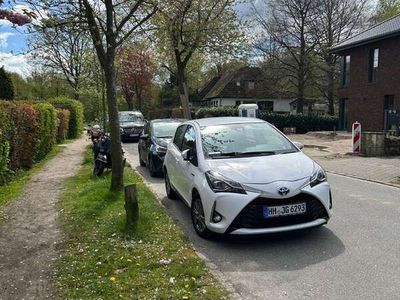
171, 194
98, 168
141, 161
152, 171
198, 218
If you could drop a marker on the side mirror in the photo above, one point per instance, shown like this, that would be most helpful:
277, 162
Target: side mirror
186, 155
144, 137
298, 145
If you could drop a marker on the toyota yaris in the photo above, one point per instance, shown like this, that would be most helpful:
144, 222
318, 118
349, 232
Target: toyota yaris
243, 176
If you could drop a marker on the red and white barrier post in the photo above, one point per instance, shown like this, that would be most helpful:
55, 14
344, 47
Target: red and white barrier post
356, 137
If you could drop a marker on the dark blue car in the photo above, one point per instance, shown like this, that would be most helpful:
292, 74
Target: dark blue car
153, 143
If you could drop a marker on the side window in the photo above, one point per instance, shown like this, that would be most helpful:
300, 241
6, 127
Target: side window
189, 139
180, 131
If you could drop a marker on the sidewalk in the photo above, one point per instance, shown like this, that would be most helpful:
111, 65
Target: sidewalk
333, 155
30, 235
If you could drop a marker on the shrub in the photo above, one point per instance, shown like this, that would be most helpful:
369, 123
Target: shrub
46, 135
23, 135
76, 115
303, 123
62, 124
221, 111
6, 86
5, 127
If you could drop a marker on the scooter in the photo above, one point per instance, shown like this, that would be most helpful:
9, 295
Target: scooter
102, 155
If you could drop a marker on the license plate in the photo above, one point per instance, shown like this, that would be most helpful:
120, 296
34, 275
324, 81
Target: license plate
284, 210
133, 134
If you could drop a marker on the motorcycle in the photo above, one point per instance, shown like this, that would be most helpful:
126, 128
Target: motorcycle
102, 154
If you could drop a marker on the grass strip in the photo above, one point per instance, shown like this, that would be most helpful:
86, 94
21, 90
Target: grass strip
15, 188
102, 260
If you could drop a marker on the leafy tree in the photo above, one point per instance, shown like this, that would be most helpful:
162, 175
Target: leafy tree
6, 86
135, 73
287, 28
337, 20
61, 48
187, 27
386, 9
110, 24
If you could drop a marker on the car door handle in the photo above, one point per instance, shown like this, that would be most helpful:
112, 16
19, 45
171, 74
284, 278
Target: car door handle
192, 174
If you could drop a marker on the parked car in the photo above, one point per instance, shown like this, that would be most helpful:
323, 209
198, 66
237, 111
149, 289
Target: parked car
131, 125
153, 143
243, 176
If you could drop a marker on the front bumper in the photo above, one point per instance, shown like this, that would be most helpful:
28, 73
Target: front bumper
158, 161
243, 213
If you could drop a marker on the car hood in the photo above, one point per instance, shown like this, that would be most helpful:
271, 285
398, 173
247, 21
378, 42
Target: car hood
264, 169
131, 124
162, 141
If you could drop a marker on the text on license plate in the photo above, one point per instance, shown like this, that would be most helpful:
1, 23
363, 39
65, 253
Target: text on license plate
284, 210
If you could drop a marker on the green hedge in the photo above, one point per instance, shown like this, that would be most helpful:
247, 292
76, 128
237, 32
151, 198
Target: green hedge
303, 123
221, 111
46, 137
63, 123
27, 134
76, 114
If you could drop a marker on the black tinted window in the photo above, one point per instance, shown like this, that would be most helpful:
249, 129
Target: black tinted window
180, 131
189, 139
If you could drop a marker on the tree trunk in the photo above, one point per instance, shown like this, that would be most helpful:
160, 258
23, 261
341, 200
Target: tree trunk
183, 93
131, 206
117, 177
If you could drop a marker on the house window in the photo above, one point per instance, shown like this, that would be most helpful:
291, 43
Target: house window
373, 64
346, 71
266, 106
238, 102
251, 85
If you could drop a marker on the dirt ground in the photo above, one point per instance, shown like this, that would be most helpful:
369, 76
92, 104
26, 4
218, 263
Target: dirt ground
29, 236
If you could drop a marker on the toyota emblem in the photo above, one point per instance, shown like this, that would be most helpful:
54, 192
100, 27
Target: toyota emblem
283, 191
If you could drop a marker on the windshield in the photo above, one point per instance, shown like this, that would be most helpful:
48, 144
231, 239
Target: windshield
164, 130
131, 117
244, 139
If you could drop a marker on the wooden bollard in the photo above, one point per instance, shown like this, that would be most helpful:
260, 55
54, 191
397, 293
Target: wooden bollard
131, 205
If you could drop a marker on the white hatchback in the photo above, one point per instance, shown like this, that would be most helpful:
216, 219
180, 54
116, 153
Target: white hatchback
243, 176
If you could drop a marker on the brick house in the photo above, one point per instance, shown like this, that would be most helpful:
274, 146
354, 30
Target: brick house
370, 76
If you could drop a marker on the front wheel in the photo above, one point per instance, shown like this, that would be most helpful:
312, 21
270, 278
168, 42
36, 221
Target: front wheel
199, 219
99, 167
152, 169
141, 161
171, 194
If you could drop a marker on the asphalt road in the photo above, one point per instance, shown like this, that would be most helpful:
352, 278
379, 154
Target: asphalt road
355, 256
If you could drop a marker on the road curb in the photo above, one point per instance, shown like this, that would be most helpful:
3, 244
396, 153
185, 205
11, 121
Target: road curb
364, 179
213, 269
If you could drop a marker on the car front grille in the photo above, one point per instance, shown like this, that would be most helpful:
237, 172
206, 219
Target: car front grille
252, 215
133, 130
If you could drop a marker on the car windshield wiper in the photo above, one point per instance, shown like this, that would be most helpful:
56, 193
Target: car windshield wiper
164, 137
236, 154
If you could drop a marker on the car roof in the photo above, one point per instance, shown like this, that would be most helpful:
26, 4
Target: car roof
168, 120
226, 120
130, 112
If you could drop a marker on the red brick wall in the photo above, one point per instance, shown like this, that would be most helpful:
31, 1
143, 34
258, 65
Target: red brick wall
366, 100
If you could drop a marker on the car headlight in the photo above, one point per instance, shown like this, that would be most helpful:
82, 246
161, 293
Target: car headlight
121, 130
160, 149
220, 184
318, 176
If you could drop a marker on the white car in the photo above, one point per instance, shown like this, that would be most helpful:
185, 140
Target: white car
243, 176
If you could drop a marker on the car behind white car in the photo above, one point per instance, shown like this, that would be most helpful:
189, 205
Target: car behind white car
243, 176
